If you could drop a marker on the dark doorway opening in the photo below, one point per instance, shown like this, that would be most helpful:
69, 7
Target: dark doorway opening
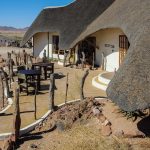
87, 46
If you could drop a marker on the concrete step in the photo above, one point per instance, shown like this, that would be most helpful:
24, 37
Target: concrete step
100, 85
105, 77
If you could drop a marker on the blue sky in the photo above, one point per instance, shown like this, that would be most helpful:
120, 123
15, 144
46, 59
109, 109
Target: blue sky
21, 13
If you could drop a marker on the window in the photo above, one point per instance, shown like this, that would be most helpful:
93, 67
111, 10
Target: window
55, 40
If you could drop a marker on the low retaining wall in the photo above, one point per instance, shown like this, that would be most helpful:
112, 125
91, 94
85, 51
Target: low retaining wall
10, 102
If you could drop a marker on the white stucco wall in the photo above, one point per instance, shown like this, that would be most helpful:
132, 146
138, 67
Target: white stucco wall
41, 44
111, 37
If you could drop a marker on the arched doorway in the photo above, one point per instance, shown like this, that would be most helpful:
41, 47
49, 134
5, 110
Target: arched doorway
111, 47
88, 46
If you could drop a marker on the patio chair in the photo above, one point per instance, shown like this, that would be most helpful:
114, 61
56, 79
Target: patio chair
26, 83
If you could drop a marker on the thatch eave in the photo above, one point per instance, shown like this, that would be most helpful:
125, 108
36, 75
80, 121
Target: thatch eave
69, 21
131, 84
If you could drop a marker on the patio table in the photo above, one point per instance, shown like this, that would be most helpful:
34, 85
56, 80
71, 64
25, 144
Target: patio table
45, 67
32, 73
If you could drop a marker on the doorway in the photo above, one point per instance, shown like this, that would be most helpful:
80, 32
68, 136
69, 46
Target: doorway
88, 46
123, 47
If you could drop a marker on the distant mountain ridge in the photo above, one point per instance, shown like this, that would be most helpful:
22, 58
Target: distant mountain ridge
7, 28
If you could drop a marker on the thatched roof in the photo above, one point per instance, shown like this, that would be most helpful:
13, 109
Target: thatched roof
130, 87
68, 21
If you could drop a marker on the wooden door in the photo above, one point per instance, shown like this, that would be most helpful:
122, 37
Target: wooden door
123, 47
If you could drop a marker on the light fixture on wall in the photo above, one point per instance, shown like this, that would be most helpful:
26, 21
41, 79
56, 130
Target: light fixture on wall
109, 45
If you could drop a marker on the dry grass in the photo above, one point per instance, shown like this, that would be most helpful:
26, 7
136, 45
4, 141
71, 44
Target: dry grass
13, 34
81, 138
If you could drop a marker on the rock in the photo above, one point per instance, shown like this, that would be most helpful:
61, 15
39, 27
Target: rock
97, 103
106, 130
119, 133
33, 146
134, 134
90, 104
106, 122
44, 124
96, 111
140, 134
101, 118
60, 126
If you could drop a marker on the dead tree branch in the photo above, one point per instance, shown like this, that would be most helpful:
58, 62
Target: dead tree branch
82, 84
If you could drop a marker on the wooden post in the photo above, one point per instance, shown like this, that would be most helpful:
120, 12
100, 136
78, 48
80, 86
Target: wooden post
35, 106
58, 55
44, 56
4, 76
66, 88
51, 92
93, 59
19, 58
16, 115
65, 57
74, 56
27, 58
83, 60
82, 84
2, 88
11, 70
16, 58
8, 61
48, 46
70, 56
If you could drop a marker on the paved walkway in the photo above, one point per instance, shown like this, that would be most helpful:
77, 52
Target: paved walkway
27, 102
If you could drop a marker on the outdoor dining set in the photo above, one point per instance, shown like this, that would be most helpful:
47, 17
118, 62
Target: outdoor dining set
28, 71
30, 79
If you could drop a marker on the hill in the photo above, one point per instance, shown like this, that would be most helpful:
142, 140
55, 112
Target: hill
11, 35
12, 29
